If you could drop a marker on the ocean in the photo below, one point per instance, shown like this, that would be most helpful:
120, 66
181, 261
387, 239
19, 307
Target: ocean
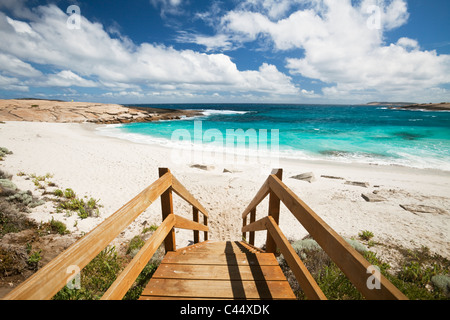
344, 133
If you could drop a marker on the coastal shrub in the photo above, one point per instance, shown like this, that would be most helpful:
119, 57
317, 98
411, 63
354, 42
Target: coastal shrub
7, 184
419, 267
4, 152
365, 235
141, 282
84, 208
442, 282
136, 243
422, 275
358, 246
69, 194
153, 227
96, 277
10, 265
41, 181
5, 175
26, 199
34, 258
101, 272
56, 227
6, 223
11, 217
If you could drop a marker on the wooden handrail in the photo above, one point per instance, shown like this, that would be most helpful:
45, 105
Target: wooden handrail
127, 277
180, 190
262, 193
352, 263
183, 223
47, 281
301, 273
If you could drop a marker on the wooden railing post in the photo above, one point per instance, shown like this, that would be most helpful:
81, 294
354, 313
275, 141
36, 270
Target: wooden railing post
274, 212
244, 223
195, 219
167, 209
252, 233
205, 222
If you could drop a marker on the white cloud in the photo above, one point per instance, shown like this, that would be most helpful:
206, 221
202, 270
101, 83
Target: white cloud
340, 48
13, 84
67, 78
408, 43
12, 65
172, 7
90, 57
17, 7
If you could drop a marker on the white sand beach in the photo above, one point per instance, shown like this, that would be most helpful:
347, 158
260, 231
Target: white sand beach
115, 170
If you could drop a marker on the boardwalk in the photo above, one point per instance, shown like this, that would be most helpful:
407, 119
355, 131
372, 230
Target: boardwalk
209, 269
218, 270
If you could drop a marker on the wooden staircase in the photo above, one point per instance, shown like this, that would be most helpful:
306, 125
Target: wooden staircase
210, 269
218, 270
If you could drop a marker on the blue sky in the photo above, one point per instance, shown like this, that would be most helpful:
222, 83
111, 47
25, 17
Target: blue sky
186, 51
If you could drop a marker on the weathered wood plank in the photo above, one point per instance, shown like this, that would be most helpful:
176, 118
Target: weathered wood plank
167, 209
251, 247
127, 277
219, 289
274, 212
264, 259
219, 272
45, 283
184, 223
259, 225
252, 233
221, 247
354, 266
195, 219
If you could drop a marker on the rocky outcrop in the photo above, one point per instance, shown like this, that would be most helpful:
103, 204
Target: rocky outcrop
62, 111
423, 209
443, 106
308, 176
372, 197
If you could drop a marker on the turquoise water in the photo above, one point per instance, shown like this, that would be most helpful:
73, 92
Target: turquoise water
362, 134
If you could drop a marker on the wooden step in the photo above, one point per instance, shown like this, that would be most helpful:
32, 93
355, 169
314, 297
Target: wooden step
218, 270
221, 247
213, 289
263, 259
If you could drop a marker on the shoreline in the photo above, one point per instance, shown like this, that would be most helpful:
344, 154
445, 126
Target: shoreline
115, 170
286, 155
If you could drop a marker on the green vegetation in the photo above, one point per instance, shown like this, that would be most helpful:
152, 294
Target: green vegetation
95, 278
136, 243
69, 201
55, 226
34, 258
4, 152
100, 274
422, 275
41, 181
365, 235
